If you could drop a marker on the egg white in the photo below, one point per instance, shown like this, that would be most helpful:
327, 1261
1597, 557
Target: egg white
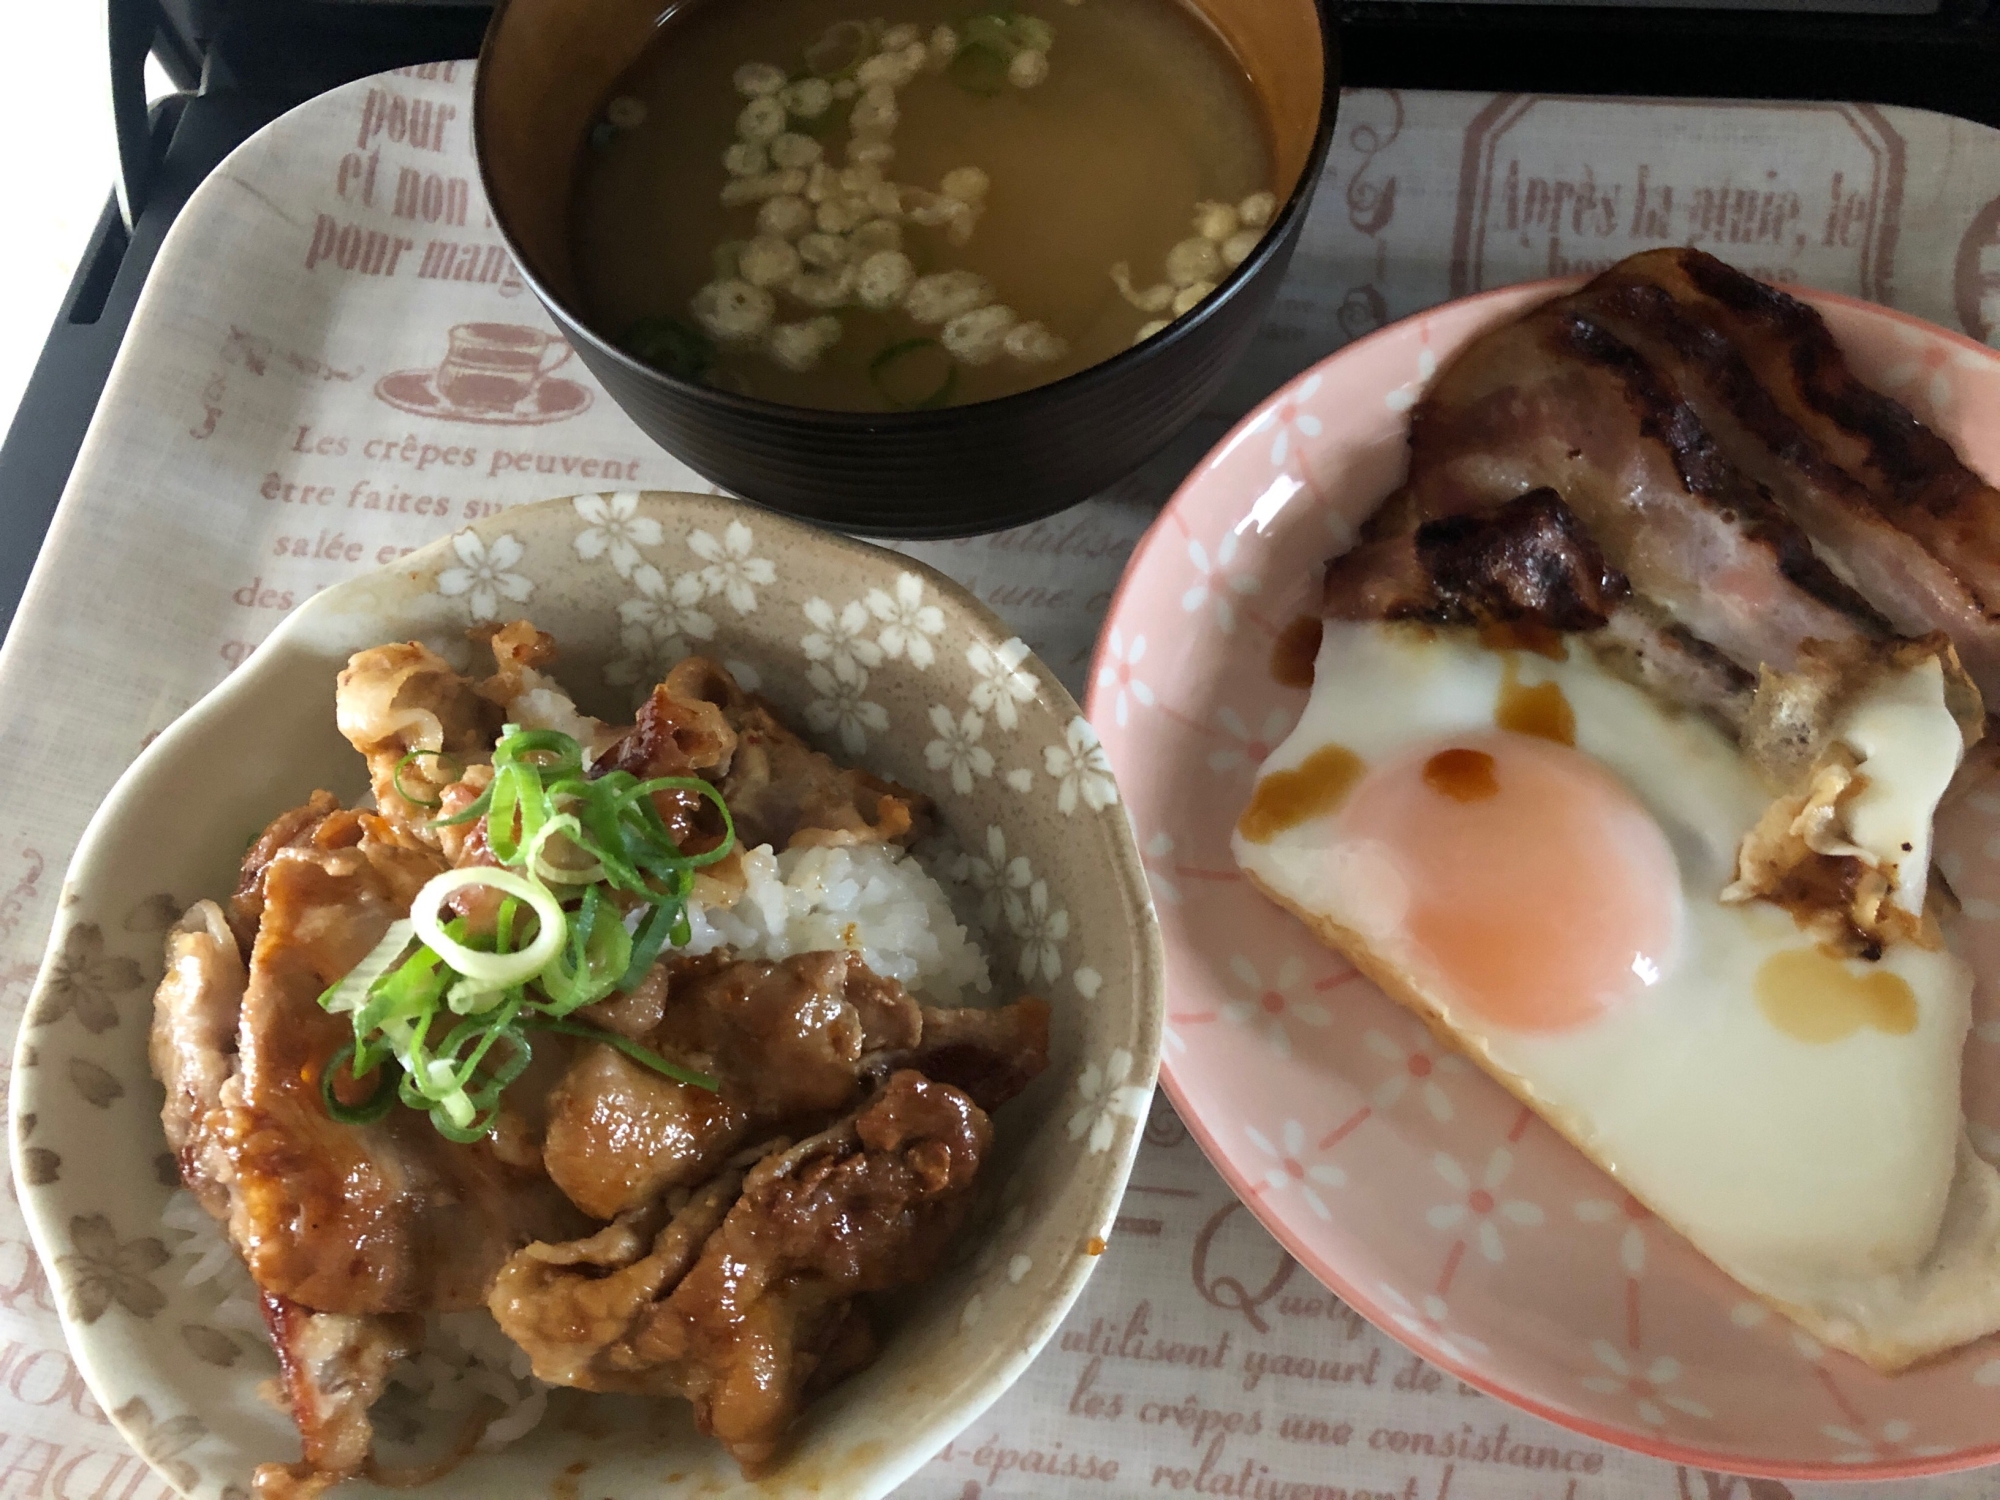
1817, 1173
1901, 722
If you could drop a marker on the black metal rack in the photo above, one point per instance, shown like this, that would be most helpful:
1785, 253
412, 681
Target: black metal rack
240, 63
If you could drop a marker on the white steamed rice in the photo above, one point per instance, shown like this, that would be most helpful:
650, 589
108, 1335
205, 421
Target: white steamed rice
874, 898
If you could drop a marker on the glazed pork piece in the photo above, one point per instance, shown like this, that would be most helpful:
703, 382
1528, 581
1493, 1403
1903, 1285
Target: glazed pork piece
350, 1219
633, 1230
392, 700
380, 1218
765, 1320
990, 1054
792, 1044
780, 790
197, 1011
614, 1312
348, 1230
787, 1041
748, 1308
569, 1305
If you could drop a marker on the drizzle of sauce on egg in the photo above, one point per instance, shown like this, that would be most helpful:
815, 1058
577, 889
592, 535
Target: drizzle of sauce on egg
1311, 789
1462, 775
1813, 997
1540, 709
1524, 635
1295, 650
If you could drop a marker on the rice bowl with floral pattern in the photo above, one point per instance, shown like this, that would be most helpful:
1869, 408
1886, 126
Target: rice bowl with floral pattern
892, 667
1409, 1183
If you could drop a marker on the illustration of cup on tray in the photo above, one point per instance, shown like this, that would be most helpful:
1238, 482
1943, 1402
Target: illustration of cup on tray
494, 373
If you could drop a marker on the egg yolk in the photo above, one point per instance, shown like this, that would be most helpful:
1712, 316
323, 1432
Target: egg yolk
1536, 890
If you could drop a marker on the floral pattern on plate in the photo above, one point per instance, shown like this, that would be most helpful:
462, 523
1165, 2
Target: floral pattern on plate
891, 665
1408, 1182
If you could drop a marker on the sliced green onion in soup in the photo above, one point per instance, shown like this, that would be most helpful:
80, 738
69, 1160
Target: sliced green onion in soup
980, 67
735, 382
841, 48
914, 374
993, 29
670, 346
1031, 33
986, 45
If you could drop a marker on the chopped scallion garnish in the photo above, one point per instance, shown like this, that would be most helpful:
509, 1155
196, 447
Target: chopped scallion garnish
396, 777
371, 1109
494, 970
559, 941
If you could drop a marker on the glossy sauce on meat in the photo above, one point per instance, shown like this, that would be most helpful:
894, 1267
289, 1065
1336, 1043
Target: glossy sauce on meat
381, 1218
631, 1232
768, 1304
787, 1041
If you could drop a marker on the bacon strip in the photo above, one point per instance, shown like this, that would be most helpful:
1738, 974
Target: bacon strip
1527, 560
1556, 399
1884, 500
1918, 478
1524, 567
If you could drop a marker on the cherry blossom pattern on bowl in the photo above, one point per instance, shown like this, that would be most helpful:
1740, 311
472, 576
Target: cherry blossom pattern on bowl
891, 665
1399, 1175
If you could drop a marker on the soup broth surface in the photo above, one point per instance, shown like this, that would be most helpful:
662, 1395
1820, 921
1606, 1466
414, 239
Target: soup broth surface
1142, 116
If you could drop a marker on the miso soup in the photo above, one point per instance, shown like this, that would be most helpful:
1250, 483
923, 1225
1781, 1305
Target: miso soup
934, 206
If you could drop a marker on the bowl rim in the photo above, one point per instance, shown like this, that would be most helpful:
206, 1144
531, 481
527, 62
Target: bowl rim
1516, 296
986, 1381
1276, 243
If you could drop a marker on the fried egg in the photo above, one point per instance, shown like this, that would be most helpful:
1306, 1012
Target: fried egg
1530, 852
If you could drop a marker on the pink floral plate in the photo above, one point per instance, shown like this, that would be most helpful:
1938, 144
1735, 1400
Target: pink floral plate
1400, 1176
